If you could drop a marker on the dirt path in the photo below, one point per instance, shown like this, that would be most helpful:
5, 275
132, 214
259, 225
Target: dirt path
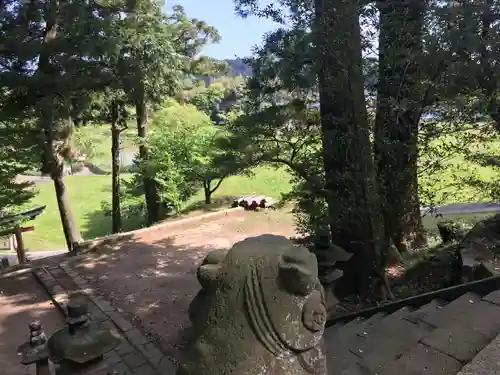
21, 301
152, 276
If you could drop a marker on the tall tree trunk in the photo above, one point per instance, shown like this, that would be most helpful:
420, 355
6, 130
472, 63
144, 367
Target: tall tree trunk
153, 202
488, 68
48, 120
70, 228
207, 191
116, 217
399, 106
348, 162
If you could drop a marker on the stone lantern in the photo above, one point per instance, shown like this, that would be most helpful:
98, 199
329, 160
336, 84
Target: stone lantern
73, 350
36, 350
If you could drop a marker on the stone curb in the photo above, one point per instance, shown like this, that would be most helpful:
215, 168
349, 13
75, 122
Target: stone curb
88, 246
103, 312
57, 294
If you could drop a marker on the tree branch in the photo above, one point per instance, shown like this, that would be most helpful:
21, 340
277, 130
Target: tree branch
218, 184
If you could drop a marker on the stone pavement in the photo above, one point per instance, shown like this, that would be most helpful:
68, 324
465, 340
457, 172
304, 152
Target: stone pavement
21, 301
137, 355
152, 276
440, 338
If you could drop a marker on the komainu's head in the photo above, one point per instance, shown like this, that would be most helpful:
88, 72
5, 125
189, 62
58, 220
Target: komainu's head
261, 310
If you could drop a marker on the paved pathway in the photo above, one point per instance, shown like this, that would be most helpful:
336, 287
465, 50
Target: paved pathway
152, 277
21, 301
137, 354
462, 208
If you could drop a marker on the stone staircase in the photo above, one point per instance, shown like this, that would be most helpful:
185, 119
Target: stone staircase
440, 337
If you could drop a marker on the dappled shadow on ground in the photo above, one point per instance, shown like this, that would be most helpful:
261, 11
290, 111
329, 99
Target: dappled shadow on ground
98, 224
152, 276
152, 283
21, 301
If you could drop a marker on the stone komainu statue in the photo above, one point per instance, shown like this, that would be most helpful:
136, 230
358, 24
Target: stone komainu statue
261, 310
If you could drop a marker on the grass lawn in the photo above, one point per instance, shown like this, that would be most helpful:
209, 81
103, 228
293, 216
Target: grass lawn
87, 192
85, 195
95, 142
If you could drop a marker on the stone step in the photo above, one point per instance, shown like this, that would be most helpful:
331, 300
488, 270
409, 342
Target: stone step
370, 324
486, 362
457, 341
340, 331
446, 315
471, 325
338, 342
388, 340
493, 297
396, 316
422, 360
422, 312
137, 354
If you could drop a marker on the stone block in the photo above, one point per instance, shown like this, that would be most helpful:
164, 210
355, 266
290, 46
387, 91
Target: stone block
354, 369
487, 362
103, 304
145, 369
460, 342
493, 297
485, 317
107, 324
167, 367
422, 312
111, 358
422, 360
120, 368
150, 350
96, 314
136, 337
57, 289
134, 360
371, 323
452, 311
80, 282
123, 324
124, 348
400, 329
379, 350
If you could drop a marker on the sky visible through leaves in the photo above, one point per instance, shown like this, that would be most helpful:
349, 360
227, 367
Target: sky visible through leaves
238, 35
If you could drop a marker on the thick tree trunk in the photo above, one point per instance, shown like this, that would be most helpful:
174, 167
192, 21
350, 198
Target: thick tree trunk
116, 217
208, 192
399, 105
153, 202
70, 229
48, 120
348, 162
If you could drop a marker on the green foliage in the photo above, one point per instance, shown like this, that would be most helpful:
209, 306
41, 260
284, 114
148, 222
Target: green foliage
287, 135
223, 95
17, 156
207, 99
183, 154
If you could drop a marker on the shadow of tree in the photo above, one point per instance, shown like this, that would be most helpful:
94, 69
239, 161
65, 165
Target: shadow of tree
98, 224
436, 268
151, 276
218, 203
152, 284
22, 300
